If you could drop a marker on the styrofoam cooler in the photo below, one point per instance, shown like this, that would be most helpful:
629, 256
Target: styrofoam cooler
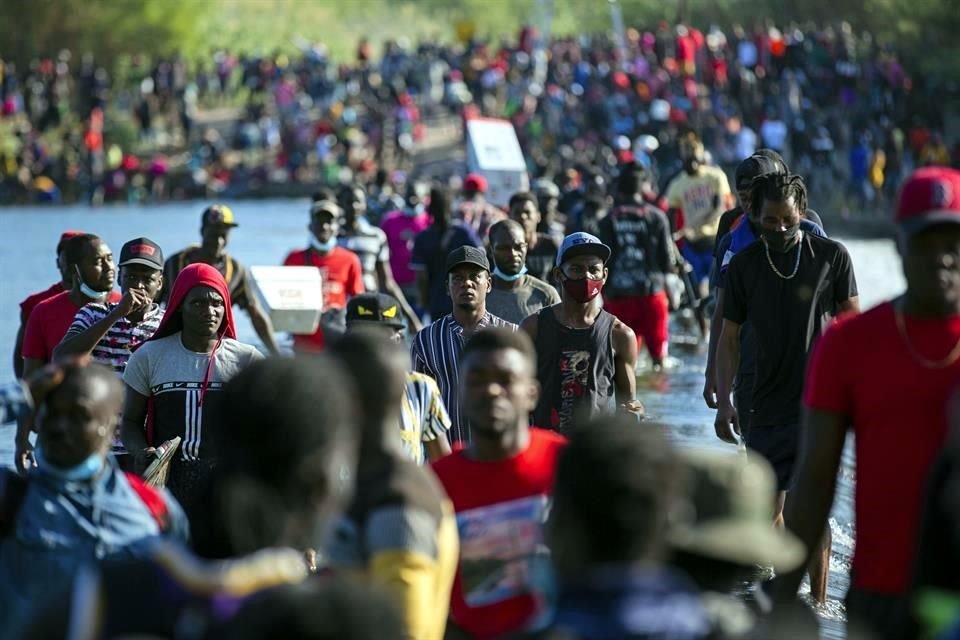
291, 296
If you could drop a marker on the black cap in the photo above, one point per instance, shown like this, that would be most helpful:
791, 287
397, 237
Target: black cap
376, 308
754, 167
467, 255
143, 251
218, 214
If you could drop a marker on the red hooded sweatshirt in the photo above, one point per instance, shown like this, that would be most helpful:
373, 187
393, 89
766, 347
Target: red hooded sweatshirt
191, 277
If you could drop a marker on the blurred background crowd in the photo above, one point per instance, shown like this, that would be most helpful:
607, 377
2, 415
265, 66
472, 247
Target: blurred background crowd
839, 104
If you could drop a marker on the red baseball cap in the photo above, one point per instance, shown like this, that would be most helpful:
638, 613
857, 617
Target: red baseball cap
929, 196
66, 235
475, 182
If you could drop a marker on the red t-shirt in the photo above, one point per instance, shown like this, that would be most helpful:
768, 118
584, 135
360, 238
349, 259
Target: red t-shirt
342, 279
863, 369
28, 305
501, 507
48, 323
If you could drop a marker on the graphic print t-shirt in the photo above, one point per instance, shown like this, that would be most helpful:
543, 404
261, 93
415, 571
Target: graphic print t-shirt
701, 197
641, 250
502, 581
172, 377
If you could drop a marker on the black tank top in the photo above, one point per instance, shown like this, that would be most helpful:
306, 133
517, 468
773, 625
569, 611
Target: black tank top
575, 368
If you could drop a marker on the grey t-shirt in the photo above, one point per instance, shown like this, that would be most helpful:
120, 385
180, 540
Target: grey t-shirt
527, 298
172, 377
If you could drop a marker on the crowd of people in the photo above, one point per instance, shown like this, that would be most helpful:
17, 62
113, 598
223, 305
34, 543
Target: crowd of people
838, 104
458, 450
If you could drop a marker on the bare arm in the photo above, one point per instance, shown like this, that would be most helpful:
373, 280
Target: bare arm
23, 450
132, 431
18, 352
386, 283
423, 288
436, 449
710, 374
625, 367
31, 366
259, 319
822, 435
81, 343
727, 423
851, 305
261, 324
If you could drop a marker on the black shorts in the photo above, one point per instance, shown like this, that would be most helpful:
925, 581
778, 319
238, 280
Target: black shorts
778, 444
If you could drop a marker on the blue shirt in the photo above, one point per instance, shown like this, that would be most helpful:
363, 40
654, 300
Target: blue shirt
61, 527
611, 603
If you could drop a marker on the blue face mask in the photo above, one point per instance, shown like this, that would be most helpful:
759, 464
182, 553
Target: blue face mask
323, 247
87, 291
85, 470
508, 278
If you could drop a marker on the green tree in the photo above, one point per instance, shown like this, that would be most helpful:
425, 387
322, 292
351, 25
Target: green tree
106, 28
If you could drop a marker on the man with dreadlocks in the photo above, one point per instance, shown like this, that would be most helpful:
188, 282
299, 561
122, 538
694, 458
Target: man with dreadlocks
786, 285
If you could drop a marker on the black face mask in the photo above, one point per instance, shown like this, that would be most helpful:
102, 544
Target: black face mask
782, 241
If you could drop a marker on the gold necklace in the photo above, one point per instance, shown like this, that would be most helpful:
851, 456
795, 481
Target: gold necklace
943, 363
796, 267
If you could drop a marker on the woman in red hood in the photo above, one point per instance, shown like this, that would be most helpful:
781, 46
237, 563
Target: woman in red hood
174, 381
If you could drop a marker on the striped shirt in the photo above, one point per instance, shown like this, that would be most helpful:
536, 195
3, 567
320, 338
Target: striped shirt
423, 416
369, 243
115, 347
436, 352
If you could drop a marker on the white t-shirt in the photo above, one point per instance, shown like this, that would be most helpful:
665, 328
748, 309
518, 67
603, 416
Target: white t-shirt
172, 377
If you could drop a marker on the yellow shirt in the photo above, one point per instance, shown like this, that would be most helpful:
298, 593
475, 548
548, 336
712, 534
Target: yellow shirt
702, 198
400, 534
423, 416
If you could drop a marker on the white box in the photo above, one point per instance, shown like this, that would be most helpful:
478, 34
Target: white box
493, 151
291, 296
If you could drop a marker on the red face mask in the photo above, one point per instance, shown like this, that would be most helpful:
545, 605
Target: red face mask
583, 290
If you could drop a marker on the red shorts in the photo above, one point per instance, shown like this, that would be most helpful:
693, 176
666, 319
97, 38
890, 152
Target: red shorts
648, 316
